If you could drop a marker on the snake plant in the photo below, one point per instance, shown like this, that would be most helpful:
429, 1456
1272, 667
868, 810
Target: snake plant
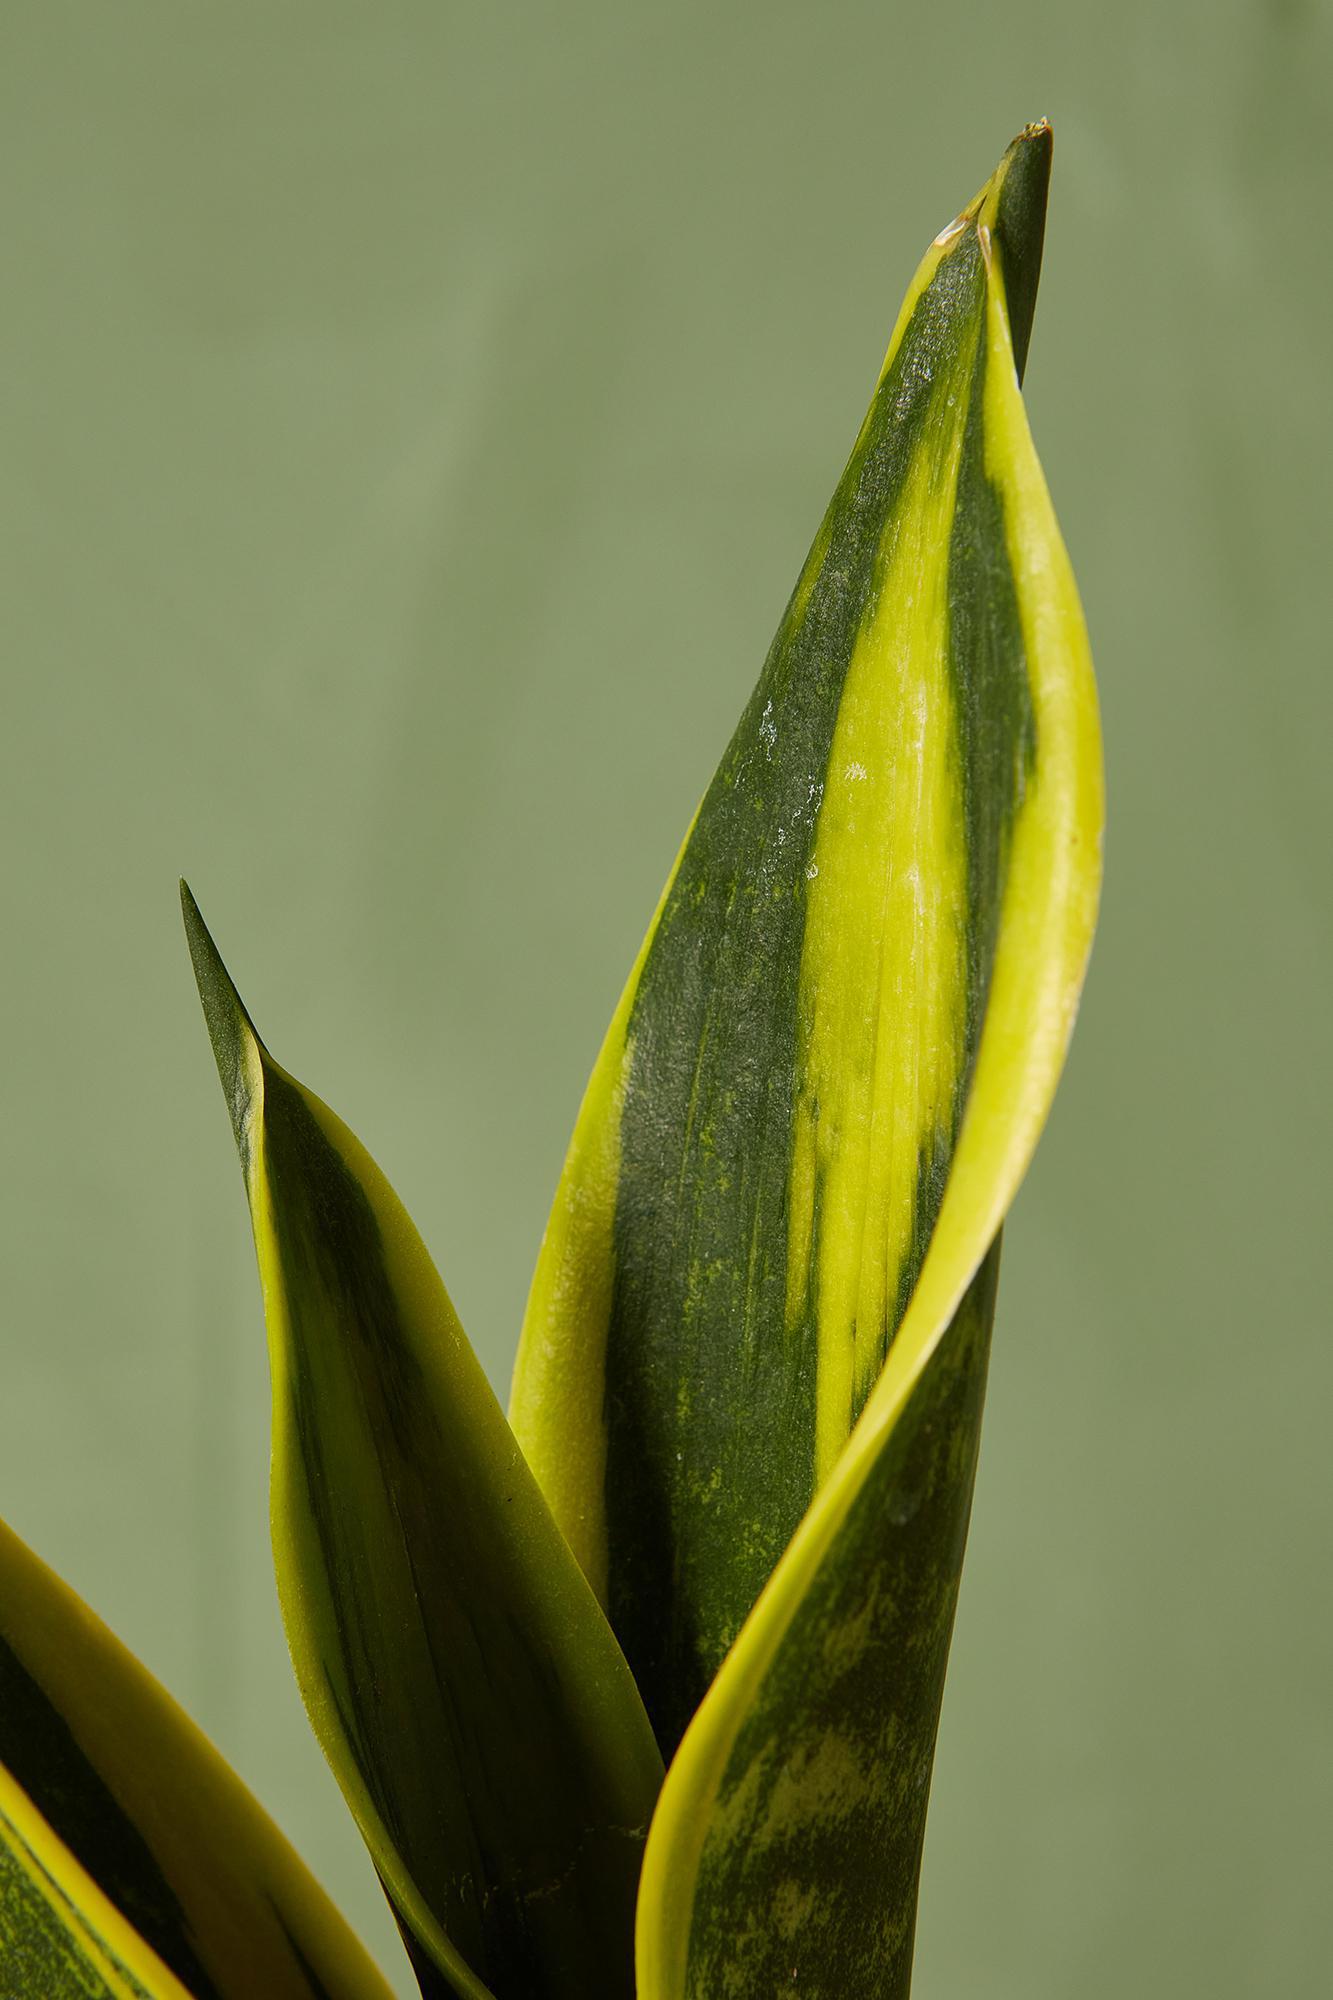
636, 1690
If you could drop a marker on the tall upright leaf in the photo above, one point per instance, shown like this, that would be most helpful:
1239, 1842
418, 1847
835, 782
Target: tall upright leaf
130, 1853
456, 1667
761, 1316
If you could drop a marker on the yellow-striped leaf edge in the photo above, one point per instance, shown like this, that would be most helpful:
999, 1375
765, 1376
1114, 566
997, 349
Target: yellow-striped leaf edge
119, 1780
60, 1937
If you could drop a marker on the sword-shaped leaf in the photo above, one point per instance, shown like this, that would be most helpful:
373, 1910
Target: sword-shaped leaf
130, 1853
455, 1665
778, 1226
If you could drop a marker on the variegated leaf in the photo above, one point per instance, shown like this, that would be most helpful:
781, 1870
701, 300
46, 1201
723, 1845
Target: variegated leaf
132, 1853
752, 1368
456, 1667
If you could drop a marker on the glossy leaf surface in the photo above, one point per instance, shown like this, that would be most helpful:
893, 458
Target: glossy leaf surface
456, 1667
761, 1316
131, 1851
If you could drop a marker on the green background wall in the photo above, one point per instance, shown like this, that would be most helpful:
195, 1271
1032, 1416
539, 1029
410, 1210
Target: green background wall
415, 416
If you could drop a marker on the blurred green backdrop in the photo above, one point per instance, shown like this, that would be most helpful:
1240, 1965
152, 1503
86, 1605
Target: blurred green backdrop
415, 417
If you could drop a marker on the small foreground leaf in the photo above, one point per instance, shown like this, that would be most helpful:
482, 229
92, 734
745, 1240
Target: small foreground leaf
128, 1837
60, 1937
456, 1667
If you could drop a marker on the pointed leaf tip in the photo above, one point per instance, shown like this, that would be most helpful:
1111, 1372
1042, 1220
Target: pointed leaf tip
237, 1049
1021, 185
